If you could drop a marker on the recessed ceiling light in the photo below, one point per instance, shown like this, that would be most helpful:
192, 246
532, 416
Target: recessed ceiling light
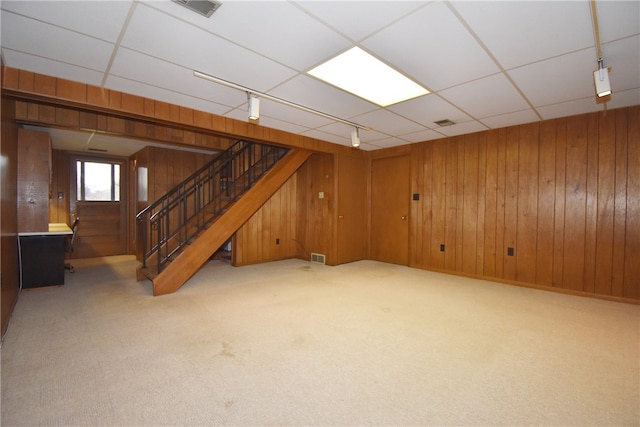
363, 75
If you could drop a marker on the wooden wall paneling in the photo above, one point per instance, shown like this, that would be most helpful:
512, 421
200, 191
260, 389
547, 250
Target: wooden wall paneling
546, 203
592, 204
59, 207
9, 271
34, 180
490, 204
606, 192
501, 249
526, 232
511, 202
575, 203
350, 186
631, 285
418, 232
560, 199
451, 201
315, 224
437, 215
482, 197
469, 208
459, 218
620, 204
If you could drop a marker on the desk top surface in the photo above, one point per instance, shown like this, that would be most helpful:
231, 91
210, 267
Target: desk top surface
54, 229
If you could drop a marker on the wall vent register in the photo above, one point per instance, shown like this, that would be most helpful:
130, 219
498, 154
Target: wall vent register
319, 258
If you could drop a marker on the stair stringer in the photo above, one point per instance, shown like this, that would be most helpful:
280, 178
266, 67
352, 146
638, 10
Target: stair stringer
198, 253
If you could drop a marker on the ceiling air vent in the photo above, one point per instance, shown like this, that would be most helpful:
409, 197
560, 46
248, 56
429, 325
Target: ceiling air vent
203, 7
445, 122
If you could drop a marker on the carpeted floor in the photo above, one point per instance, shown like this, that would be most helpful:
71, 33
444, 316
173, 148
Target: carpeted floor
295, 343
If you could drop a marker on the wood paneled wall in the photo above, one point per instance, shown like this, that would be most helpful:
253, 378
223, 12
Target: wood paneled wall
9, 272
563, 193
270, 234
316, 216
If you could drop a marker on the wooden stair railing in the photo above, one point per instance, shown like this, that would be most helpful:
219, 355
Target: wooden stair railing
198, 252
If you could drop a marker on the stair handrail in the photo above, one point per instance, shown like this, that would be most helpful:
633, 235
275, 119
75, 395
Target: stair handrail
201, 197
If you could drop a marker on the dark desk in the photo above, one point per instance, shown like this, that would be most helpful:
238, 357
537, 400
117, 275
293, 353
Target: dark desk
42, 256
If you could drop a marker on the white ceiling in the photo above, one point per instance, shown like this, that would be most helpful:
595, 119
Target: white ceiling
488, 64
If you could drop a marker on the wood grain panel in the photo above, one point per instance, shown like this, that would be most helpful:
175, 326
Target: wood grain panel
481, 199
591, 213
419, 185
511, 201
315, 224
560, 201
34, 180
546, 203
469, 206
451, 208
620, 204
631, 285
575, 203
501, 248
437, 215
606, 191
526, 238
351, 230
490, 204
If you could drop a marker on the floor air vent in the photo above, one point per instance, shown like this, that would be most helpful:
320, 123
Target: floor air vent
203, 7
319, 258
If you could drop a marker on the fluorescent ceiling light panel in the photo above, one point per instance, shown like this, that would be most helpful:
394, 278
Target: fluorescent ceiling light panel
363, 75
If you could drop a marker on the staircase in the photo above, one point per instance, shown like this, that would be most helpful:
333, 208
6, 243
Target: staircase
183, 229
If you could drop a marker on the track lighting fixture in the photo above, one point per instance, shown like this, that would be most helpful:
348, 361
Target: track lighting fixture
254, 108
254, 105
355, 138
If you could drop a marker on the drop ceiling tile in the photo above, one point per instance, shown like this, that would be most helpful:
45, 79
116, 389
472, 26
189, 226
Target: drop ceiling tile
51, 68
490, 96
571, 108
432, 47
291, 115
170, 77
511, 119
561, 80
428, 109
359, 19
47, 41
101, 19
278, 30
522, 32
626, 98
312, 93
323, 136
388, 122
157, 34
623, 56
160, 94
618, 19
425, 135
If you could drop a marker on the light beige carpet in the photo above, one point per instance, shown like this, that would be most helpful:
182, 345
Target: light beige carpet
295, 343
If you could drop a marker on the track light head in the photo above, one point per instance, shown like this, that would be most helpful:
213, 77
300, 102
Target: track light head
355, 138
254, 108
601, 79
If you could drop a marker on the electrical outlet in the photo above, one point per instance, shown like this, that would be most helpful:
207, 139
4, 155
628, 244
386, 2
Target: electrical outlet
442, 247
277, 241
511, 251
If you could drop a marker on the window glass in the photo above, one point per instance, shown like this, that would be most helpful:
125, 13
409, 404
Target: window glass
98, 181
